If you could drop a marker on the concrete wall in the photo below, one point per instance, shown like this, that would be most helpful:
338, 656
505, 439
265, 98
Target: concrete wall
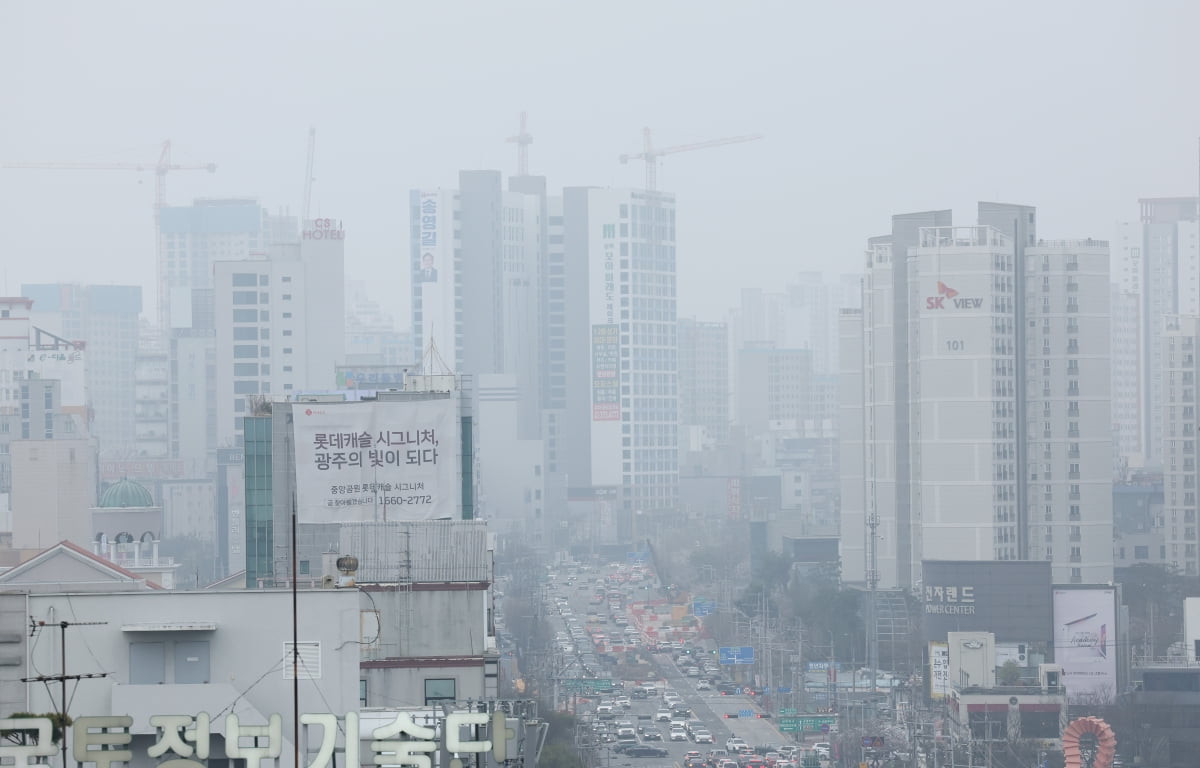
246, 652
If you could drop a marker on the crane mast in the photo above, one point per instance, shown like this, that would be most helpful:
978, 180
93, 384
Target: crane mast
651, 154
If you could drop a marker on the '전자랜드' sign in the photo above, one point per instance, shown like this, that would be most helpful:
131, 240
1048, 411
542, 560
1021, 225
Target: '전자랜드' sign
368, 461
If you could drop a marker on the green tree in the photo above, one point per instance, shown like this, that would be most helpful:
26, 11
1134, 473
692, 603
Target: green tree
24, 736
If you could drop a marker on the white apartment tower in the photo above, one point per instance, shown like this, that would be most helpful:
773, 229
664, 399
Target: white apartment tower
1067, 306
623, 399
280, 323
1180, 337
1007, 451
1159, 263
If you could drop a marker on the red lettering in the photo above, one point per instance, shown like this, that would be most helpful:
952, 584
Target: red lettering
935, 302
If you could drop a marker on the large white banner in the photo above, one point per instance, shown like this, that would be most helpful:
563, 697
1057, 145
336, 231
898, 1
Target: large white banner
376, 461
1085, 631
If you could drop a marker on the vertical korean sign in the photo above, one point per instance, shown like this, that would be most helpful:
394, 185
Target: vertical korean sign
939, 670
376, 461
433, 271
606, 390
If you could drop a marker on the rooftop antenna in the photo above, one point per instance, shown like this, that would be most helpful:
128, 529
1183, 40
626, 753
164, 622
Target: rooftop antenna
308, 172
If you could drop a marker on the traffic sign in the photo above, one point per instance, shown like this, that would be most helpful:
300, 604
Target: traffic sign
736, 654
787, 710
745, 713
784, 689
791, 724
587, 685
702, 606
872, 742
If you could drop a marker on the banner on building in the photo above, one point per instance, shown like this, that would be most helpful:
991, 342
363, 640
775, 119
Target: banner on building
1085, 633
606, 361
939, 671
376, 461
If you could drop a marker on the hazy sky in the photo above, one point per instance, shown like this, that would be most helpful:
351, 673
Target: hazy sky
869, 108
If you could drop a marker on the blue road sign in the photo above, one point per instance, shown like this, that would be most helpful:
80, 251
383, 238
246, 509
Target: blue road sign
784, 689
637, 557
736, 654
746, 713
702, 606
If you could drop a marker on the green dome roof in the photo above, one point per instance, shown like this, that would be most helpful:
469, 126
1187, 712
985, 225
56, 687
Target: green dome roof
126, 493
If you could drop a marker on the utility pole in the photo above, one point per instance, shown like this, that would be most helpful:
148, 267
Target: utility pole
62, 677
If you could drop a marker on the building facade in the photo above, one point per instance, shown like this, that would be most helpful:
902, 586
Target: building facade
704, 377
1179, 340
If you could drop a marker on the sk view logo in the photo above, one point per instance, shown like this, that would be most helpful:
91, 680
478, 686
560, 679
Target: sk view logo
946, 292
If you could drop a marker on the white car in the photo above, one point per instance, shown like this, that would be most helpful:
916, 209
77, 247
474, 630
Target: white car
678, 734
733, 744
703, 685
821, 748
702, 737
663, 716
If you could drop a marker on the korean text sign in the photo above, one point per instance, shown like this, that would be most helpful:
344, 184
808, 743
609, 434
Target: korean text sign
367, 461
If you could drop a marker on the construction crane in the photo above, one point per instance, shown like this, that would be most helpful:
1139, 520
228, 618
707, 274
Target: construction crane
308, 177
160, 168
522, 140
650, 154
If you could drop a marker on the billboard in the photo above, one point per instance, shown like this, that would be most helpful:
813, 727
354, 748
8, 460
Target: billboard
606, 364
939, 671
1085, 632
1010, 598
384, 461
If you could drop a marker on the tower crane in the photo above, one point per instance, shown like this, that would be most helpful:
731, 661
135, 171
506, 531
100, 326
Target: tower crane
651, 154
160, 168
522, 140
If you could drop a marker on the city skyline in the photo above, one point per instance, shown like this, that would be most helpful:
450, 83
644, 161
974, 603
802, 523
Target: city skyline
822, 148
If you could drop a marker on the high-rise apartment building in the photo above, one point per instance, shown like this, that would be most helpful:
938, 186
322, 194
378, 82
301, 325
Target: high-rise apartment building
192, 238
280, 323
1159, 266
476, 261
704, 377
621, 346
773, 385
105, 318
1180, 338
1006, 439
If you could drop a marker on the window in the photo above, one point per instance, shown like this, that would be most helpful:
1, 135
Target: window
244, 280
362, 684
245, 333
286, 332
439, 689
287, 350
245, 387
244, 316
263, 279
245, 350
287, 297
287, 315
245, 297
245, 369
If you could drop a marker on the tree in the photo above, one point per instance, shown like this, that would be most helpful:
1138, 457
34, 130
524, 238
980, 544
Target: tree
24, 736
1009, 673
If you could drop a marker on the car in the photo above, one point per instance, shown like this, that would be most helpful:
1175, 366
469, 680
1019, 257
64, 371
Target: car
678, 722
645, 750
716, 756
821, 748
733, 744
703, 685
678, 734
693, 762
651, 734
639, 693
754, 762
771, 758
702, 736
691, 753
728, 764
604, 708
692, 671
729, 688
624, 701
663, 715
